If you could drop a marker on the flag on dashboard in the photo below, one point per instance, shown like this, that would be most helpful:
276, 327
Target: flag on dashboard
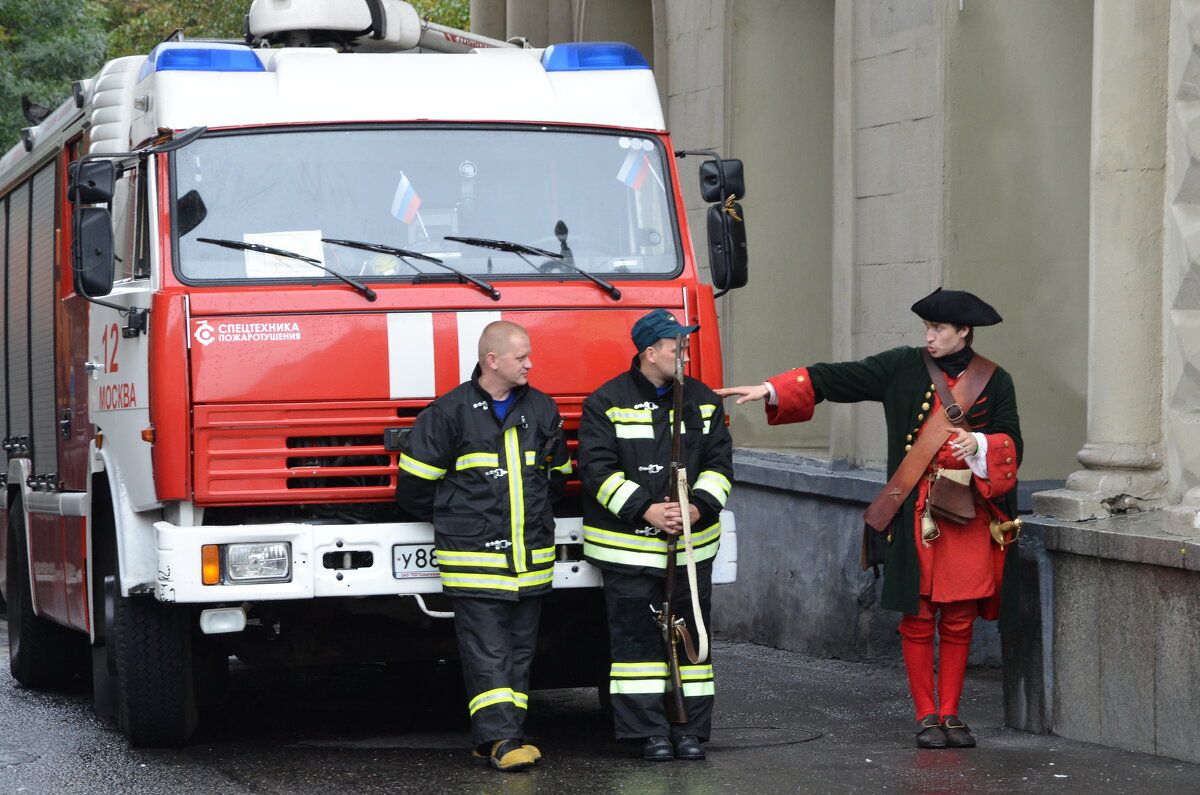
406, 202
634, 170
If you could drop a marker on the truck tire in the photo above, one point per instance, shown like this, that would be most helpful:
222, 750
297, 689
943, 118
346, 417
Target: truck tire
41, 653
156, 701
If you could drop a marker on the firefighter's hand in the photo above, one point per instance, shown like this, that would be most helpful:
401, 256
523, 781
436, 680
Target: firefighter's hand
747, 393
667, 517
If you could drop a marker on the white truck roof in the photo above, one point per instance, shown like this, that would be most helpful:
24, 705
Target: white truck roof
190, 83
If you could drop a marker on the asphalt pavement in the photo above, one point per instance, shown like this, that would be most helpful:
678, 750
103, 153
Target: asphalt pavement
786, 722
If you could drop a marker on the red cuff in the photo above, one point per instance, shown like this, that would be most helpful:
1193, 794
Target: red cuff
795, 395
1001, 466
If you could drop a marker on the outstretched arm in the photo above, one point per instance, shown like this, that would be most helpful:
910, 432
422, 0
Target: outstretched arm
745, 393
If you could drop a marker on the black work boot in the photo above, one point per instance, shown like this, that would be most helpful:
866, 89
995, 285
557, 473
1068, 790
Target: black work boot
958, 734
931, 734
688, 747
658, 749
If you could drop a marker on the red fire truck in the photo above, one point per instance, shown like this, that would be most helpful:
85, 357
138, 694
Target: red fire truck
234, 273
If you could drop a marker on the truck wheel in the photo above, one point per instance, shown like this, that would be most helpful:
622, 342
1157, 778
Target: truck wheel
156, 702
41, 653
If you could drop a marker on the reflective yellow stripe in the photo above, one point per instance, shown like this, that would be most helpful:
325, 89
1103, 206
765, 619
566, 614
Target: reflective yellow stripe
516, 496
707, 409
521, 700
632, 550
610, 484
494, 582
629, 687
529, 579
477, 460
420, 469
530, 458
501, 695
671, 420
543, 555
622, 496
693, 689
713, 483
695, 672
492, 559
638, 669
566, 468
618, 414
634, 431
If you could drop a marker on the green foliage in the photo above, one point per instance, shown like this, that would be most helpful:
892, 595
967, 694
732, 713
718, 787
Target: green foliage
44, 45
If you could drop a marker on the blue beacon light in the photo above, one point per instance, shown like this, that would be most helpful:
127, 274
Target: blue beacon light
585, 56
182, 56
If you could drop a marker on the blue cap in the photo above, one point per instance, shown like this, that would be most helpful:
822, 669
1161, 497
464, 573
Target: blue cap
657, 325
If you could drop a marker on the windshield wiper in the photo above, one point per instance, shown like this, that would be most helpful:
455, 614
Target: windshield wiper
521, 250
404, 254
367, 292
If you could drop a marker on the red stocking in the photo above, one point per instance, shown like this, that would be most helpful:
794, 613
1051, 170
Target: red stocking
917, 643
954, 630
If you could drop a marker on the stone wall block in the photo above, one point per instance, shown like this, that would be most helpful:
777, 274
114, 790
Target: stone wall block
896, 228
1127, 656
1077, 647
894, 158
899, 86
882, 27
1177, 692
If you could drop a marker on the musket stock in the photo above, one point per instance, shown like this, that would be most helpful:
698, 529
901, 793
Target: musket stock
670, 624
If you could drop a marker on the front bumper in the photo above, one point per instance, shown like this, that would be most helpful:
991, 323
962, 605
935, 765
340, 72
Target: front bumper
317, 552
315, 575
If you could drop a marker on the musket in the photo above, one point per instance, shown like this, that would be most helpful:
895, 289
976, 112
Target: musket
673, 628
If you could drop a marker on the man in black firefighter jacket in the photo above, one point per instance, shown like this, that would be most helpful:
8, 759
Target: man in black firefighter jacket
483, 463
625, 466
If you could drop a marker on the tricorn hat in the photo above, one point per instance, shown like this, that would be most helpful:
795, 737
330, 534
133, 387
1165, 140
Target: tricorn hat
958, 307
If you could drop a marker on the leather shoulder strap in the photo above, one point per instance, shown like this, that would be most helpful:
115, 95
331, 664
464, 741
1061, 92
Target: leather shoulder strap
970, 385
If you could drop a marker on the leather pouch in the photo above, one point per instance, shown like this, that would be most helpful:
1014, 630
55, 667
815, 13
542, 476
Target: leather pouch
952, 497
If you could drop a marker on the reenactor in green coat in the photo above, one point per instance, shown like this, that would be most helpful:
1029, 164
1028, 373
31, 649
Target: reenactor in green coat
940, 573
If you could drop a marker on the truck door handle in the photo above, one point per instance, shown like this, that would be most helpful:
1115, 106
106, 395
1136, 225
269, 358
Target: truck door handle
93, 367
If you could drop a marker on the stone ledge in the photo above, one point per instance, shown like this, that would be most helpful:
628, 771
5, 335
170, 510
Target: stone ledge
796, 472
1145, 537
808, 472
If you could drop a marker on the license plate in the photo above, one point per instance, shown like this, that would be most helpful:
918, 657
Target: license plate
414, 560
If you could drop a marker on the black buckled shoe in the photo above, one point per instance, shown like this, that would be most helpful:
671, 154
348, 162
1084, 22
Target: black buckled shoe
931, 734
658, 749
958, 734
688, 747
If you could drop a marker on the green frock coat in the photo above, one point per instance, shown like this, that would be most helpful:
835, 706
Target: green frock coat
897, 378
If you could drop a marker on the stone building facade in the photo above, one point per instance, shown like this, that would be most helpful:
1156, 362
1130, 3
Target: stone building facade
1043, 154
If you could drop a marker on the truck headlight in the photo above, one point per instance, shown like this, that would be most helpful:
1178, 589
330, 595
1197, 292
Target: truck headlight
258, 562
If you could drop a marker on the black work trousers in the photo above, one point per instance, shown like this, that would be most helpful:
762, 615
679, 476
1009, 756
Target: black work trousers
640, 675
496, 640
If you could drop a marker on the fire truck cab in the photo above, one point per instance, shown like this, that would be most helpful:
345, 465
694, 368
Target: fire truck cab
233, 276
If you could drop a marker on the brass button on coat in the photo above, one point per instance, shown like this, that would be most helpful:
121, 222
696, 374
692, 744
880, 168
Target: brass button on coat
924, 407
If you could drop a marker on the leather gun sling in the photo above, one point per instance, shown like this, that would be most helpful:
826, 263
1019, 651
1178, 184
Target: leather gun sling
887, 503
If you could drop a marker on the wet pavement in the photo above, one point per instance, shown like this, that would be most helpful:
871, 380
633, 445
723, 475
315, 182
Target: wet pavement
785, 722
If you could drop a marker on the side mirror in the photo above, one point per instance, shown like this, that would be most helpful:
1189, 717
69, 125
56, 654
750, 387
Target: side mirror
717, 188
727, 254
92, 182
93, 252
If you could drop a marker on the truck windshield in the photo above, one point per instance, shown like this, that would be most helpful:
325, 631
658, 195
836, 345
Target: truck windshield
412, 188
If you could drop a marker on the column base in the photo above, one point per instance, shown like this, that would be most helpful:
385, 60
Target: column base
1098, 494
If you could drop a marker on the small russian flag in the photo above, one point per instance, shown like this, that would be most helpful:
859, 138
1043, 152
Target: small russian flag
406, 202
634, 170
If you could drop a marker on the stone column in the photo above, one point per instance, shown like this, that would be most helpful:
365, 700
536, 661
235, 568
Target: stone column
487, 18
1123, 456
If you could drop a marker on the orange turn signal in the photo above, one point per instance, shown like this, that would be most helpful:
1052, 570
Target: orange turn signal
148, 435
210, 564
